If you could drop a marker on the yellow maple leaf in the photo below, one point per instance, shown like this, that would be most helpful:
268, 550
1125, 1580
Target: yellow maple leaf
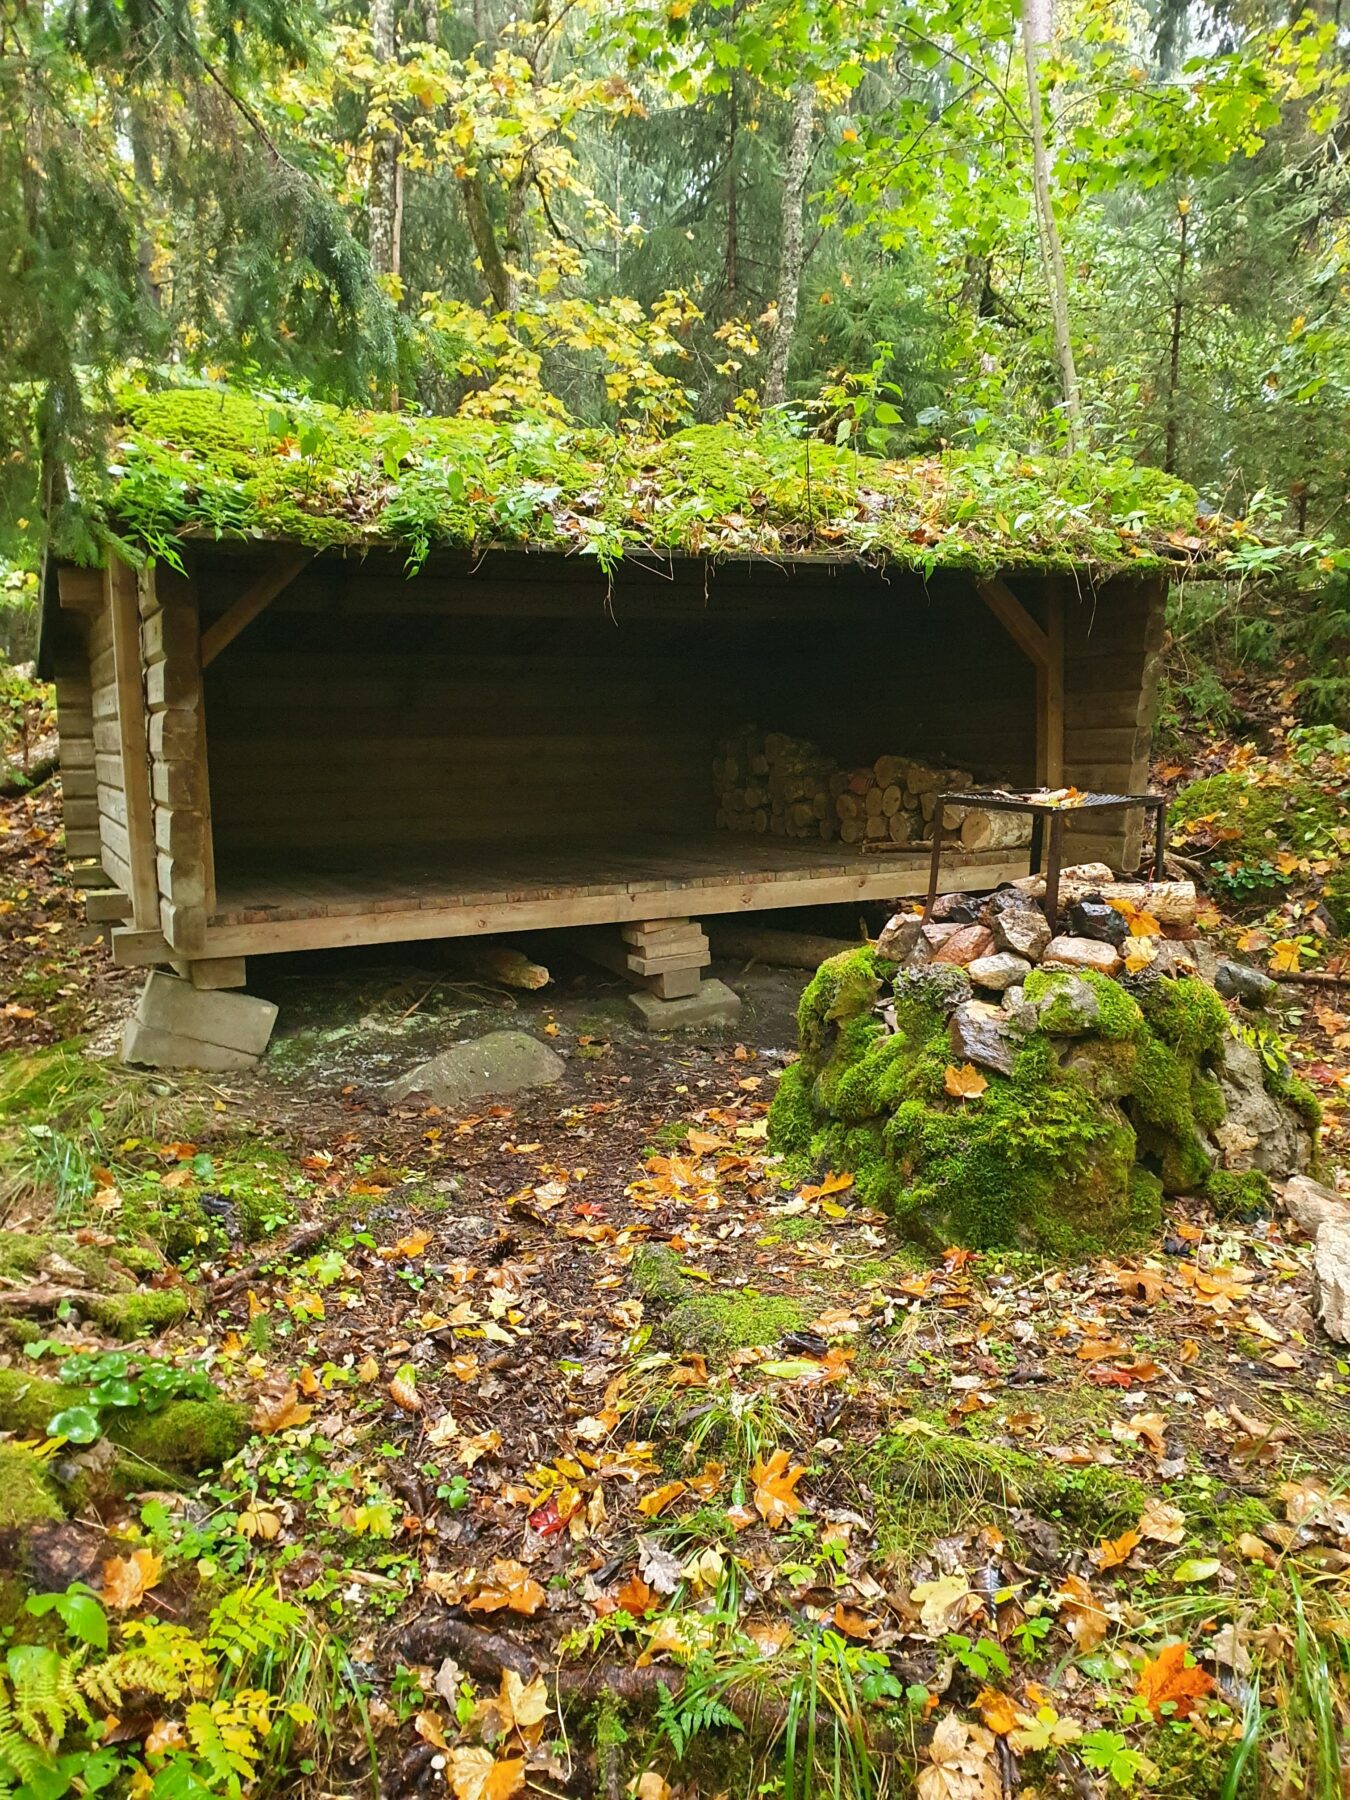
776, 1499
1284, 956
965, 1083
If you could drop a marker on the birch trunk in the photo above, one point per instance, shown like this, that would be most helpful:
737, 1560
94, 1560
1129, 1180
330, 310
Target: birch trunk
1037, 27
790, 242
382, 197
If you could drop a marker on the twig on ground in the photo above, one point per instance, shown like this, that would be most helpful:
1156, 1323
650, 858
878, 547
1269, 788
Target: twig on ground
307, 1235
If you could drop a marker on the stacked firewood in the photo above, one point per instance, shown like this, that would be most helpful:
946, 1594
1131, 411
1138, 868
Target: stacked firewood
767, 781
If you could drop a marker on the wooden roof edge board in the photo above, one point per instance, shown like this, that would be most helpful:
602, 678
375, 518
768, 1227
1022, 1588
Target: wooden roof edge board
219, 635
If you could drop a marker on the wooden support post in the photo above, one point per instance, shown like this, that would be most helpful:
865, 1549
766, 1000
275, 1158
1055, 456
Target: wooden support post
184, 862
124, 619
1050, 698
665, 956
250, 603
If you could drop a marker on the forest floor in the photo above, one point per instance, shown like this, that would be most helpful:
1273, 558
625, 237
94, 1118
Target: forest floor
584, 1455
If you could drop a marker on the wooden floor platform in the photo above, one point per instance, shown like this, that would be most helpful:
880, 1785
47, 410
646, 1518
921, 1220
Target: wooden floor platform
470, 889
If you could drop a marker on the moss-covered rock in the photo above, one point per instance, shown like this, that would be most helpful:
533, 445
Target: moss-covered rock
27, 1496
1244, 824
1110, 1104
656, 1275
141, 1313
732, 1319
185, 1437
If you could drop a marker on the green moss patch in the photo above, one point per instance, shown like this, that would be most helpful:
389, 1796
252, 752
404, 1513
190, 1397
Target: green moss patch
244, 465
185, 1438
734, 1319
1243, 825
27, 1497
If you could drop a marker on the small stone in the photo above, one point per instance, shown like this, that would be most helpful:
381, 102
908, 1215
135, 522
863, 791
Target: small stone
1331, 1280
1311, 1206
955, 909
978, 1033
898, 939
1081, 953
502, 1062
1170, 957
1001, 971
1093, 918
966, 944
1023, 930
1071, 1009
1236, 981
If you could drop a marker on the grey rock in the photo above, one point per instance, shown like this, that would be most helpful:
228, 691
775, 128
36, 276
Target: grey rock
999, 972
1092, 918
1081, 953
899, 938
502, 1062
1259, 1132
941, 985
1074, 1005
955, 909
1021, 1014
1206, 960
978, 1033
1331, 1280
1236, 981
1311, 1206
1021, 929
714, 1004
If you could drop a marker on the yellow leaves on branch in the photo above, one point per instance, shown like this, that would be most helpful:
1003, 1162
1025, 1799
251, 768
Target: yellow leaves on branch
776, 1499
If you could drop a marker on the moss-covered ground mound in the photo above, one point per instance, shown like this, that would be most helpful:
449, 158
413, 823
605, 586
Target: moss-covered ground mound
244, 465
1108, 1106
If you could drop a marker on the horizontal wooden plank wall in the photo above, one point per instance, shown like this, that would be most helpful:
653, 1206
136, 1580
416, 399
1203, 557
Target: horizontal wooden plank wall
527, 699
75, 730
110, 778
180, 792
1113, 660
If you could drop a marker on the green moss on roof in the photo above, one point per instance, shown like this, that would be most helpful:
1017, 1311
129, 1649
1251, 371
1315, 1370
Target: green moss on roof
235, 464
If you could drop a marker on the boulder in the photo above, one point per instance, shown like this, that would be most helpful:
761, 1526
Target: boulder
501, 1063
1000, 971
1081, 953
1074, 1006
1311, 1206
1236, 981
1022, 929
966, 945
1258, 1132
899, 937
955, 909
1093, 918
940, 985
1331, 1280
980, 1034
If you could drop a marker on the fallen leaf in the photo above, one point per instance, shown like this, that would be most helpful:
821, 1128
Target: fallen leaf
1084, 1617
944, 1604
510, 1585
280, 1412
1112, 1552
660, 1498
961, 1765
965, 1083
476, 1774
1196, 1569
776, 1499
651, 1786
1167, 1681
1162, 1522
128, 1579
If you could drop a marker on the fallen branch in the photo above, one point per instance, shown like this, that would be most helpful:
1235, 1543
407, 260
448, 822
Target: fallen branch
38, 1297
304, 1239
1311, 977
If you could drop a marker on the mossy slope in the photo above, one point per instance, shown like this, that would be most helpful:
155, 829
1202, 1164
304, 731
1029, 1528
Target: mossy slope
1070, 1153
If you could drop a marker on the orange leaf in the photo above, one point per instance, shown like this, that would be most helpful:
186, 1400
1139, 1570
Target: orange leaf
1111, 1552
776, 1500
660, 1498
510, 1584
635, 1597
997, 1711
1167, 1681
965, 1083
851, 1622
1083, 1616
279, 1412
128, 1579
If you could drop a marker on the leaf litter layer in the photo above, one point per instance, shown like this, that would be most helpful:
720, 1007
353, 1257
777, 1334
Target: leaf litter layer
222, 462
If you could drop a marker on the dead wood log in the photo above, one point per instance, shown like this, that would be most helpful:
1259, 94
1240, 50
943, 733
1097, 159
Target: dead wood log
981, 830
1169, 902
780, 949
39, 1297
1311, 977
503, 963
303, 1239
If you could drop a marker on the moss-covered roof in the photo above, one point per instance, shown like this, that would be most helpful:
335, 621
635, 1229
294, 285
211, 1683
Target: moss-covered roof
212, 460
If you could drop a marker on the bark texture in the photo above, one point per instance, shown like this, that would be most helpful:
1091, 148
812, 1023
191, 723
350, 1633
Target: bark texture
790, 242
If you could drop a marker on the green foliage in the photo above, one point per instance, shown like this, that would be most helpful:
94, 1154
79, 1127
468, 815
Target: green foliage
115, 1380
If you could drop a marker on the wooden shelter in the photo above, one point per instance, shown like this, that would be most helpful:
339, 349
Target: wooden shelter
291, 742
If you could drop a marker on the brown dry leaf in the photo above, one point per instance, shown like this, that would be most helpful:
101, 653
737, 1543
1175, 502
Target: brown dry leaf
280, 1412
472, 1449
660, 1498
428, 1727
1254, 1549
128, 1579
475, 1774
690, 1371
509, 1584
1162, 1522
521, 1703
776, 1499
651, 1786
1112, 1552
368, 1370
403, 1389
853, 1623
1083, 1616
965, 1083
961, 1764
944, 1604
1166, 1680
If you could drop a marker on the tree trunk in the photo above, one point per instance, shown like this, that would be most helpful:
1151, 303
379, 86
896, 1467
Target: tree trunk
383, 198
1174, 366
500, 282
731, 272
1037, 20
790, 242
